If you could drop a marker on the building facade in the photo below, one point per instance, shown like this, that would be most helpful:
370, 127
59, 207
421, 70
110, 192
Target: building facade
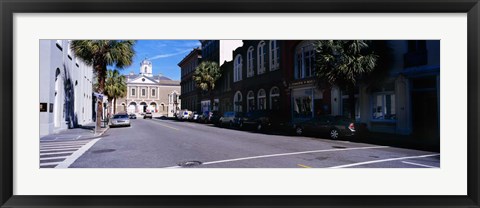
66, 95
190, 94
148, 92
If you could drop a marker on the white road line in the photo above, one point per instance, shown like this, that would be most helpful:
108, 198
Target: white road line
50, 163
52, 158
48, 150
70, 159
54, 147
286, 154
417, 164
66, 142
54, 153
384, 160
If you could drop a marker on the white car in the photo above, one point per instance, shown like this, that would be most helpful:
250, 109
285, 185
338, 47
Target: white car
120, 120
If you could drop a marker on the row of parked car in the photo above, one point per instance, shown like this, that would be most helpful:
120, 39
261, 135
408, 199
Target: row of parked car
259, 120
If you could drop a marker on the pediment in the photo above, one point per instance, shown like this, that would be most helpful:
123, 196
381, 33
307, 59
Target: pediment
143, 80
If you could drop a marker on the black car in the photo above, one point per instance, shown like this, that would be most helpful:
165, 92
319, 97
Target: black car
260, 119
132, 116
334, 126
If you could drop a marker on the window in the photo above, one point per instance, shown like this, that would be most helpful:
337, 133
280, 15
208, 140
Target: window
262, 100
143, 92
153, 93
274, 98
237, 102
274, 55
133, 92
304, 60
250, 70
250, 101
303, 103
237, 68
384, 106
261, 57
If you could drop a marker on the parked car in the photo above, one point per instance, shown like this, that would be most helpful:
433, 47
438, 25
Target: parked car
148, 115
186, 115
195, 116
334, 126
132, 116
214, 117
120, 120
230, 119
260, 119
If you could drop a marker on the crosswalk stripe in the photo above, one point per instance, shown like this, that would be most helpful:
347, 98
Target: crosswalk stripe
52, 153
53, 150
51, 163
52, 158
63, 143
56, 147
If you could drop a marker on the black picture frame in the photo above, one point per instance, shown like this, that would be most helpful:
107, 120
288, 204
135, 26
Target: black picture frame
10, 7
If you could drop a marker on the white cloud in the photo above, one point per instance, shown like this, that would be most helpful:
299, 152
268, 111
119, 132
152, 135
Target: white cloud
168, 55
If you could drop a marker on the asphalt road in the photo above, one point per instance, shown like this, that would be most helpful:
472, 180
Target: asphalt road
159, 143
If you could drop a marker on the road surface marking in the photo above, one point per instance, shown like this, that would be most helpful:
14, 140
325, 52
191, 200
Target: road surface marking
70, 159
65, 142
417, 164
52, 158
285, 154
304, 166
53, 153
50, 163
58, 148
165, 125
384, 160
54, 147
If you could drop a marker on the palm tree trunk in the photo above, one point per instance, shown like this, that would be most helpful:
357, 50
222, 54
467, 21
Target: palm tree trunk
101, 69
114, 105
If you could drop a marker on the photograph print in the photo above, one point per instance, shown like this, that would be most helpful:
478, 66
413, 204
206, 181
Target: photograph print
239, 104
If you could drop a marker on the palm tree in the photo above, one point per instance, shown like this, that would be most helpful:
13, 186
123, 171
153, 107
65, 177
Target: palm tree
206, 75
103, 53
343, 63
115, 87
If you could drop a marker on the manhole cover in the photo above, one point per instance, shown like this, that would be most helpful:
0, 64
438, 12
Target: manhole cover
189, 163
103, 150
339, 147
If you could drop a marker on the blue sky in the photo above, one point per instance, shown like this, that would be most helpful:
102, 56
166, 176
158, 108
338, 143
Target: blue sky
164, 54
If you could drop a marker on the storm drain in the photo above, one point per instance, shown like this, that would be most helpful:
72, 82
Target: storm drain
103, 151
189, 163
339, 147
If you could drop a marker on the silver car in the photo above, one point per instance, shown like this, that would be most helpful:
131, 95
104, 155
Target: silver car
120, 120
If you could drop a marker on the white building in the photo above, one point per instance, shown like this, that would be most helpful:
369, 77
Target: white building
150, 93
65, 88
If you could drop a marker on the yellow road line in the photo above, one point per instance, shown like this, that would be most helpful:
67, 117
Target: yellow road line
304, 166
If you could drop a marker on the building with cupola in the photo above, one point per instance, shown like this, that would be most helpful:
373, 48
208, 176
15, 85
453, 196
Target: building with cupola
148, 92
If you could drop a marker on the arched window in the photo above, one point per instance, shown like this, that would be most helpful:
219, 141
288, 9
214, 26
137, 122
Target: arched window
274, 55
262, 100
250, 101
304, 60
274, 98
237, 101
261, 57
250, 70
237, 68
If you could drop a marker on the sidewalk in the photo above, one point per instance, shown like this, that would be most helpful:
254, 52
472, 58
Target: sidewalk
83, 132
